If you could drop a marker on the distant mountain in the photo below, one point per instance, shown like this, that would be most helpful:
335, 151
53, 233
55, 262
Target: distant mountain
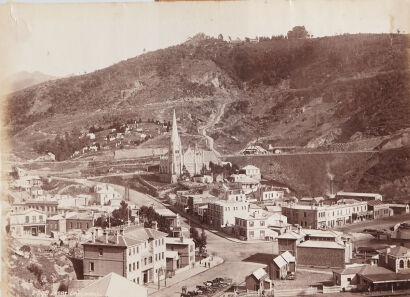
22, 80
347, 92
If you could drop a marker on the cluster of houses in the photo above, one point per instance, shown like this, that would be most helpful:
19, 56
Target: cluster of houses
140, 255
126, 134
251, 210
34, 212
388, 270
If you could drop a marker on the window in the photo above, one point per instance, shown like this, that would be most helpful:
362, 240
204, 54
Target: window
34, 219
71, 225
150, 259
156, 257
401, 264
27, 219
86, 225
163, 241
251, 234
349, 279
145, 261
133, 266
78, 225
138, 264
100, 251
41, 218
262, 223
138, 280
138, 249
129, 252
91, 266
129, 267
162, 255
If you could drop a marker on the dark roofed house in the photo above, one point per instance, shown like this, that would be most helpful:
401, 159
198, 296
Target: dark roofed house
372, 278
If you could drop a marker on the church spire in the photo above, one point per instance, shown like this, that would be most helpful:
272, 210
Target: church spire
175, 149
174, 136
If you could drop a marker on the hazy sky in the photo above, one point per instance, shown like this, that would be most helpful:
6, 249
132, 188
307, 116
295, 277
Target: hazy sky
63, 39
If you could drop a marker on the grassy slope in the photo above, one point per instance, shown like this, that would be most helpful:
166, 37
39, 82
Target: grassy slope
286, 92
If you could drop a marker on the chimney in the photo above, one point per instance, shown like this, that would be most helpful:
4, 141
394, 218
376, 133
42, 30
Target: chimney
155, 225
386, 260
117, 237
93, 236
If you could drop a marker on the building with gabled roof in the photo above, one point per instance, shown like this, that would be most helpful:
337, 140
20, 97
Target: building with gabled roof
135, 252
282, 265
251, 171
112, 285
395, 258
258, 281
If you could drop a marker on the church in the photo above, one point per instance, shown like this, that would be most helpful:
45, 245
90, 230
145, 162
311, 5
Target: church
177, 160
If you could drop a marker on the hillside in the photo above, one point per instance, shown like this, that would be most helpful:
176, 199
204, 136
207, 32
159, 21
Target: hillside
347, 92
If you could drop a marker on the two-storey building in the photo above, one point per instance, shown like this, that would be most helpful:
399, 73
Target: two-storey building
222, 213
134, 252
26, 223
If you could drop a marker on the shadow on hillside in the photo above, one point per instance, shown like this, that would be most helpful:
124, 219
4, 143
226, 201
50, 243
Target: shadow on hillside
78, 267
260, 258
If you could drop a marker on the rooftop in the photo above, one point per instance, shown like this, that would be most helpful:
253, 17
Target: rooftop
229, 202
321, 244
113, 285
288, 257
258, 274
351, 269
280, 261
399, 251
177, 240
165, 212
375, 202
341, 193
250, 167
291, 235
130, 237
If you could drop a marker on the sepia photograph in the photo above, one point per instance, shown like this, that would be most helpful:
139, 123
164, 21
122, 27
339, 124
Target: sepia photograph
205, 148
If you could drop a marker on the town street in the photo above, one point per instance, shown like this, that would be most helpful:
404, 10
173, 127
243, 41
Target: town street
234, 267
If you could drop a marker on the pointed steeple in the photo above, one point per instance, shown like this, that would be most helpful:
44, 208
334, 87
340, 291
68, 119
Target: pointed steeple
174, 135
175, 149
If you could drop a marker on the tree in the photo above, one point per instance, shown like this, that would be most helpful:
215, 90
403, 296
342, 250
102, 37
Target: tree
202, 242
118, 217
298, 32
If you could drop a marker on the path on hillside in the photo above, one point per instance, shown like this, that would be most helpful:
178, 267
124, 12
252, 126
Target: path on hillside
213, 120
